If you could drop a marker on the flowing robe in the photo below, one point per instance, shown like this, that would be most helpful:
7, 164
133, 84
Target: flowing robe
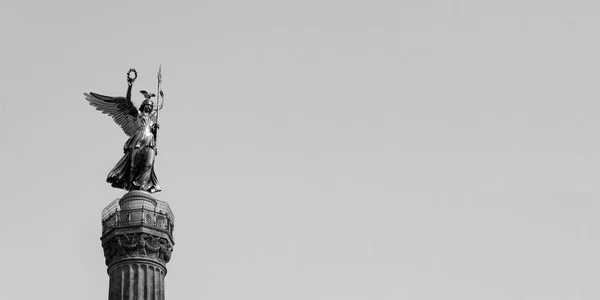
135, 171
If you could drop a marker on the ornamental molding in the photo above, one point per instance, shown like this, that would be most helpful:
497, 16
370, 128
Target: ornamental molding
137, 245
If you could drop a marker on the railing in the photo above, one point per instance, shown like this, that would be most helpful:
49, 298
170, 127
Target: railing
137, 216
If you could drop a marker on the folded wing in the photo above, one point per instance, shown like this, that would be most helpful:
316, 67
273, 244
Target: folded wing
119, 108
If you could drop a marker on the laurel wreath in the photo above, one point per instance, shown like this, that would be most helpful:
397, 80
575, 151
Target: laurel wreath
134, 73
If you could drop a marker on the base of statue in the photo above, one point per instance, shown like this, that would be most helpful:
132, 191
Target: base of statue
137, 237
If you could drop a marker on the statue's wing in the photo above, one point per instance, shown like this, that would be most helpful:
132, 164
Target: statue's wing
119, 108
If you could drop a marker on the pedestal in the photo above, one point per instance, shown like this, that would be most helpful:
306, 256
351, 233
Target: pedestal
137, 237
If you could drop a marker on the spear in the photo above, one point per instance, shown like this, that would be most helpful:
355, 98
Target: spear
159, 93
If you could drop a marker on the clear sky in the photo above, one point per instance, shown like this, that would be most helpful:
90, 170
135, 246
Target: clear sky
325, 149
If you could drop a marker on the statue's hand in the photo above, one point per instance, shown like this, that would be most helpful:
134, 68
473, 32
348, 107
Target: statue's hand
157, 126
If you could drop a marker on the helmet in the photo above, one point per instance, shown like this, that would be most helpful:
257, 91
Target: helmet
147, 102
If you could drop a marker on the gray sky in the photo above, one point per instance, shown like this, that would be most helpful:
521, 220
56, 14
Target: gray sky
324, 149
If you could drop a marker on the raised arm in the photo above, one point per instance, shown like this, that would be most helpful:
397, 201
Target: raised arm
129, 86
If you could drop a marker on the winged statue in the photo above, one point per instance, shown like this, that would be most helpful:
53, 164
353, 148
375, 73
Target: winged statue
135, 170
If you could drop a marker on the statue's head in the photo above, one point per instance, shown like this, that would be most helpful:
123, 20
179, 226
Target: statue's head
147, 106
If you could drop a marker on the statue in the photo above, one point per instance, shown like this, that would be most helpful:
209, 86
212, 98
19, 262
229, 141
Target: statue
135, 171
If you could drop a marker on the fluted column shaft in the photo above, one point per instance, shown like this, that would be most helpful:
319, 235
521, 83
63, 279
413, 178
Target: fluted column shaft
136, 279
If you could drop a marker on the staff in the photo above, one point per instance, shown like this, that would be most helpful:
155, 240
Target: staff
160, 95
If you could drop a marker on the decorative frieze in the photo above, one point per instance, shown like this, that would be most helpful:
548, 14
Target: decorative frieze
137, 245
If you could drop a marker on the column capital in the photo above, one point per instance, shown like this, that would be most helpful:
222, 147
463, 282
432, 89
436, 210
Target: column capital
137, 245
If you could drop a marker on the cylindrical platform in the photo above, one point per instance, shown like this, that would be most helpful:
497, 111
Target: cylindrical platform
137, 199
